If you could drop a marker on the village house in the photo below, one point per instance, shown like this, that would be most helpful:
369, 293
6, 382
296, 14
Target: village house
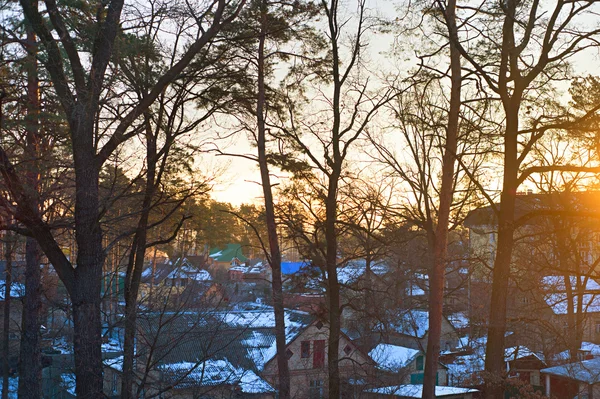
580, 379
225, 258
308, 356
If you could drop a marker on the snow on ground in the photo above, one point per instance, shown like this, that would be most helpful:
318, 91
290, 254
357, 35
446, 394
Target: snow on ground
416, 391
392, 357
13, 386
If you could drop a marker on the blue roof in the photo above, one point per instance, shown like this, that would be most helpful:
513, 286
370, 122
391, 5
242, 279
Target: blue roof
292, 267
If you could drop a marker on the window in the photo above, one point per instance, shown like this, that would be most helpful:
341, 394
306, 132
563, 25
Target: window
419, 362
598, 327
347, 350
305, 349
319, 353
316, 390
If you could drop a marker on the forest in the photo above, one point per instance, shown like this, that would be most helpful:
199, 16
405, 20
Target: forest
423, 198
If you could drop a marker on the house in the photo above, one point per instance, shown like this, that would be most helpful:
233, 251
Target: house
179, 283
223, 351
307, 354
464, 369
401, 365
524, 364
555, 237
225, 258
579, 379
586, 290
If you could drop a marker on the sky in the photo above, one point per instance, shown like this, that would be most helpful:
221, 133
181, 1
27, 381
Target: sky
239, 182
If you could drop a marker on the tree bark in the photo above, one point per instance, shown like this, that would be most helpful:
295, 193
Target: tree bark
86, 291
333, 286
8, 250
494, 360
274, 249
438, 271
30, 366
136, 266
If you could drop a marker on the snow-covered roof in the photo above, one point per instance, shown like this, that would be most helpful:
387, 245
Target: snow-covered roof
213, 372
414, 323
593, 349
520, 352
67, 382
459, 320
189, 272
556, 296
557, 283
414, 290
392, 357
559, 304
356, 268
247, 269
115, 363
587, 371
17, 290
416, 391
463, 367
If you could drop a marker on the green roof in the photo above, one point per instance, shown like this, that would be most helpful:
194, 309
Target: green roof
230, 252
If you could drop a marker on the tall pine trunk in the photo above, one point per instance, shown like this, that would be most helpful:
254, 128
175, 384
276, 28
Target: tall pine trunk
30, 366
437, 272
494, 354
135, 267
8, 252
333, 285
274, 249
86, 290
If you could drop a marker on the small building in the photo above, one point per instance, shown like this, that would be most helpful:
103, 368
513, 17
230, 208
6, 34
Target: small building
227, 257
307, 354
581, 379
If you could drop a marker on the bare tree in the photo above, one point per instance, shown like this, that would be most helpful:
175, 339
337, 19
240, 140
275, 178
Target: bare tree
91, 147
325, 137
527, 47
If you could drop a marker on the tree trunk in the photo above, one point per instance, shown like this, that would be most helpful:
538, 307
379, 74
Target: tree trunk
30, 366
86, 290
438, 271
274, 250
494, 360
333, 286
136, 266
8, 245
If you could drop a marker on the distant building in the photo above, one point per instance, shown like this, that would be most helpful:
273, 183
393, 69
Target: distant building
225, 258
